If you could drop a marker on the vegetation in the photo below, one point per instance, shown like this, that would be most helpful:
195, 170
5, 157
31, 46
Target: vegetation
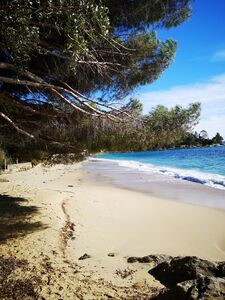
161, 128
55, 54
217, 139
202, 139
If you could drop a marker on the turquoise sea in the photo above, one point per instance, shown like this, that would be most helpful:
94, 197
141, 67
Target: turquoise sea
201, 165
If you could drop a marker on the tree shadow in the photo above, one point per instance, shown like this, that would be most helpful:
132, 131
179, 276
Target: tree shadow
16, 218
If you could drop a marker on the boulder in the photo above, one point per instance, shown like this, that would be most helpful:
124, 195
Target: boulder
180, 269
205, 288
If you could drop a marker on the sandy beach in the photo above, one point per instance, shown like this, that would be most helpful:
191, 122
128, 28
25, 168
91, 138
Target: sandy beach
52, 216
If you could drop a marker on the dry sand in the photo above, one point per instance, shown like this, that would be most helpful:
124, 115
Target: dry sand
71, 216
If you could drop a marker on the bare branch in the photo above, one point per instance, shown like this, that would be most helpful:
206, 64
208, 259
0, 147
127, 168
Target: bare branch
28, 74
54, 91
99, 103
26, 83
114, 43
39, 83
15, 126
97, 111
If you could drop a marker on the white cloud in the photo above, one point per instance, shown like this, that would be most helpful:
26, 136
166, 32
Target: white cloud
212, 90
211, 94
218, 56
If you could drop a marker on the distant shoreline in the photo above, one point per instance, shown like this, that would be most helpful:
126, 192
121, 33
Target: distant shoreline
160, 149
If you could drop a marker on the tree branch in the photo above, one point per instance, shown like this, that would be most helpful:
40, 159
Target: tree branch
15, 126
39, 83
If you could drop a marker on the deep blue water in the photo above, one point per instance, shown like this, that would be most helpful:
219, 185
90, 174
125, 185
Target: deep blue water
201, 165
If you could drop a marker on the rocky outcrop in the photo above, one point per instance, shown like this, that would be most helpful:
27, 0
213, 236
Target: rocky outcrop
180, 269
190, 278
186, 278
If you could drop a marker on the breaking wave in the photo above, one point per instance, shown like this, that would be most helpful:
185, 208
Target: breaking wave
209, 179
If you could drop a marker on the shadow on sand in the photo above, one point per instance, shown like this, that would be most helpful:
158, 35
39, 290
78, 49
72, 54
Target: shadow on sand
16, 218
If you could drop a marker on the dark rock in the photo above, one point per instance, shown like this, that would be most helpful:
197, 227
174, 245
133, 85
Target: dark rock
205, 288
132, 259
111, 254
169, 273
156, 259
221, 269
85, 256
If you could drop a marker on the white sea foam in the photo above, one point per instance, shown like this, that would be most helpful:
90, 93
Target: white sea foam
209, 179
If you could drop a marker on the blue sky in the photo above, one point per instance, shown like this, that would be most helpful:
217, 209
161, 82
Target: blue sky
198, 71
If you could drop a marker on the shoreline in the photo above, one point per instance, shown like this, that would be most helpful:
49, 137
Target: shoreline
174, 164
72, 215
155, 184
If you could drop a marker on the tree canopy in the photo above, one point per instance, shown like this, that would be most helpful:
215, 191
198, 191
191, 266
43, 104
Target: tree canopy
53, 54
217, 139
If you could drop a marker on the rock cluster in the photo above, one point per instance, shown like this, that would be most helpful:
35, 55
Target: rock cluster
186, 278
152, 259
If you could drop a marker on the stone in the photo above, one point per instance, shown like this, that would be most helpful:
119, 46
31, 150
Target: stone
85, 256
221, 269
180, 269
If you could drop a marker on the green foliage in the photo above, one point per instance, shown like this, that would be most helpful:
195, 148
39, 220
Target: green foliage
202, 139
106, 46
163, 13
217, 139
27, 25
161, 128
171, 125
134, 107
66, 40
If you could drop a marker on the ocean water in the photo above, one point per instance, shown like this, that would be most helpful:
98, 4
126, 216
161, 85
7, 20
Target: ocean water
200, 165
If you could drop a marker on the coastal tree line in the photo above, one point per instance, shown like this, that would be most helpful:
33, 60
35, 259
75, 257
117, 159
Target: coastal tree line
161, 128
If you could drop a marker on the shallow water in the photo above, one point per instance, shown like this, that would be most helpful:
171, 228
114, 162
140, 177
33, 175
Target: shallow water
201, 165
